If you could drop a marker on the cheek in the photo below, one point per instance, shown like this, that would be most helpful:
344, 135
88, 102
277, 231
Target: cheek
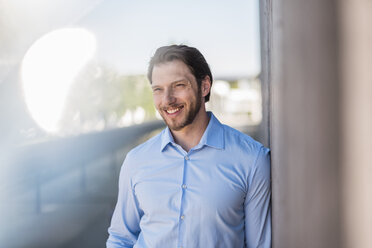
157, 101
185, 95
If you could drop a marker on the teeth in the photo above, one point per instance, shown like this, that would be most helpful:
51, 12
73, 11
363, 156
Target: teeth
171, 111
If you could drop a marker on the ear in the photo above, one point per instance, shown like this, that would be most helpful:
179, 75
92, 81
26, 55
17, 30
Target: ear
206, 86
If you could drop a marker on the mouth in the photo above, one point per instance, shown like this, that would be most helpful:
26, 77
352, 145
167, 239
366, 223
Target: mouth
173, 110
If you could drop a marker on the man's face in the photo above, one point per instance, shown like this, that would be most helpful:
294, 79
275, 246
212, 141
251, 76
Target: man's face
177, 96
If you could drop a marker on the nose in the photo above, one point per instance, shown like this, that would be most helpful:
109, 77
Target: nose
169, 97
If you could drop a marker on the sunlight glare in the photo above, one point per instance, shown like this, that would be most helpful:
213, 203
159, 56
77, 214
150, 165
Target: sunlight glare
48, 70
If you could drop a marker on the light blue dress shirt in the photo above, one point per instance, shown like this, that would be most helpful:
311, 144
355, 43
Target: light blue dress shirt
215, 195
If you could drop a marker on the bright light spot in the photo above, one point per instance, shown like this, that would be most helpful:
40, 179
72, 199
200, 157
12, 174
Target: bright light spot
221, 88
126, 120
139, 115
48, 70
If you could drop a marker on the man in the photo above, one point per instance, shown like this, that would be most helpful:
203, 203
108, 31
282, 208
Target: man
198, 183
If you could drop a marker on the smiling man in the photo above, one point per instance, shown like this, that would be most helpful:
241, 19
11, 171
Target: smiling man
198, 183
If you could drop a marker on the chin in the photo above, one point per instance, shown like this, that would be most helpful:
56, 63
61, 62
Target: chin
175, 126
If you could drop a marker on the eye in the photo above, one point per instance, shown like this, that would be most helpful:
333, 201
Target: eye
156, 90
180, 85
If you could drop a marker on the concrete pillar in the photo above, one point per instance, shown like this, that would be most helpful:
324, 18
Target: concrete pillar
356, 102
305, 124
317, 60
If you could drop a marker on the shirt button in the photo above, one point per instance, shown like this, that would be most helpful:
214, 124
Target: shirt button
187, 158
182, 217
184, 186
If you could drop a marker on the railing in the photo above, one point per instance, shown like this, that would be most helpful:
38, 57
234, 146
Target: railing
56, 188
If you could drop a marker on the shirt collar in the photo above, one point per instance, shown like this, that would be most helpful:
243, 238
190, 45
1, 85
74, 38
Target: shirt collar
166, 138
213, 135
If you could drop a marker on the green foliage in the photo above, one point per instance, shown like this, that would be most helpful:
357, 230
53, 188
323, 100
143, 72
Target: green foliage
234, 84
101, 94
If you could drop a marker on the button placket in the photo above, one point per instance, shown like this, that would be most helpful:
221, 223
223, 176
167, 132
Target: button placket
186, 158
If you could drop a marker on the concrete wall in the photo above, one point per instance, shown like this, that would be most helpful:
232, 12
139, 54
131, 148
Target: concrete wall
316, 62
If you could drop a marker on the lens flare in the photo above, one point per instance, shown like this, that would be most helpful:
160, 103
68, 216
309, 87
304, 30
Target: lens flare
48, 70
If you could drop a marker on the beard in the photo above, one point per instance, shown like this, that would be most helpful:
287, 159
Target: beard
189, 116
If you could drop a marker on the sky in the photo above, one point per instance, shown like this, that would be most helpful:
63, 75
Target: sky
128, 32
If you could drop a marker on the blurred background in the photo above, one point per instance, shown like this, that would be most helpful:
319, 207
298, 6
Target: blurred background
74, 98
296, 75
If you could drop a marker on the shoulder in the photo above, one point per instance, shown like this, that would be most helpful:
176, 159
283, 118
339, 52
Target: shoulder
247, 149
150, 146
141, 154
250, 150
250, 155
240, 141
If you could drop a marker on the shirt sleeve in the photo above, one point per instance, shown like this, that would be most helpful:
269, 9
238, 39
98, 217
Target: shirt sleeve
124, 228
258, 203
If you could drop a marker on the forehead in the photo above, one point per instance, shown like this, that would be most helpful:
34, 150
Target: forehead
170, 72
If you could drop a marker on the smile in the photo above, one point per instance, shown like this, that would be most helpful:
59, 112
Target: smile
173, 110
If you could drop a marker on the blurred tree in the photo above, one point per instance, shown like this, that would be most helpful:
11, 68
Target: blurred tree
100, 97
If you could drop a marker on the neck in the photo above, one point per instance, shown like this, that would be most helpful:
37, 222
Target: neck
189, 136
